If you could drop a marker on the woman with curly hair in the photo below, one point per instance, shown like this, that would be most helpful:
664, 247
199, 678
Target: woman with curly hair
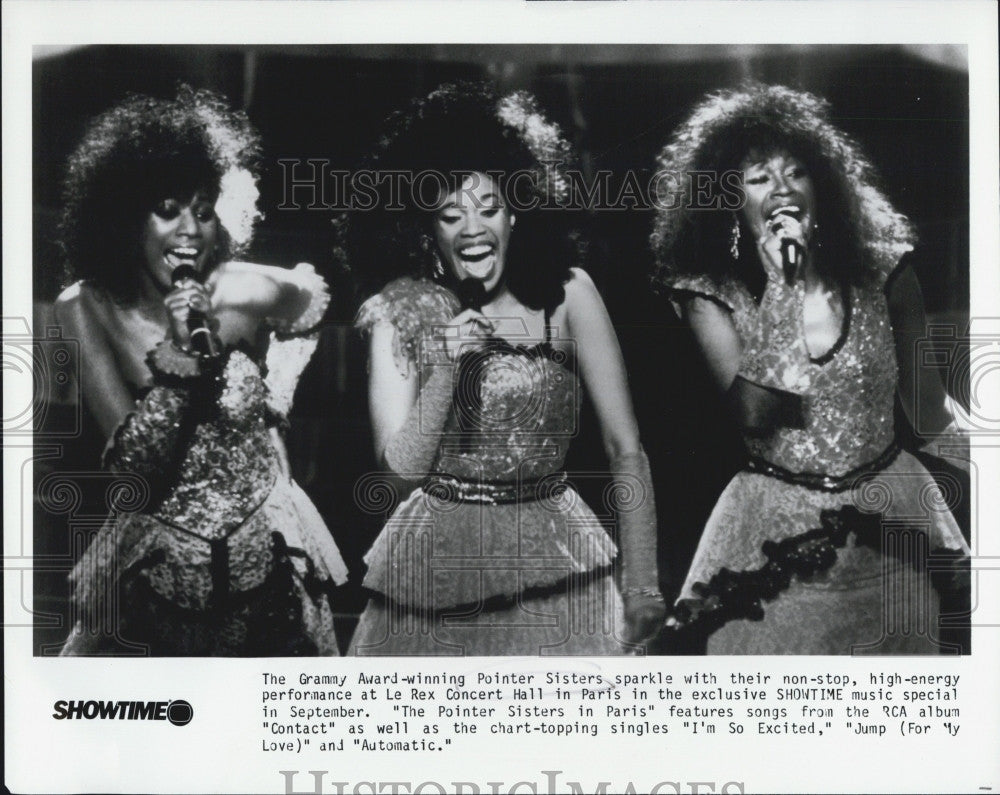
479, 338
786, 266
188, 365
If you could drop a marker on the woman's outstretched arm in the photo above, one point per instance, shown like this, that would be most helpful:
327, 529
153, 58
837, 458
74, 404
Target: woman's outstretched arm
244, 294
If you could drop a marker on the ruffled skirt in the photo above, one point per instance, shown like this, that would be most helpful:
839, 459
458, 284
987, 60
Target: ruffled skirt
871, 600
146, 587
462, 578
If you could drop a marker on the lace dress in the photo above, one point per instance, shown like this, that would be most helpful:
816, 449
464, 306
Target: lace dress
212, 549
494, 554
824, 544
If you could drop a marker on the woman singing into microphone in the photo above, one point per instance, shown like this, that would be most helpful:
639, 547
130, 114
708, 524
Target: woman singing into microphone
805, 316
188, 365
480, 337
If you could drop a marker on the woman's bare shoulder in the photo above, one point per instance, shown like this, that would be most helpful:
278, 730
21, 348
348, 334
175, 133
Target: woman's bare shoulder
582, 301
82, 305
579, 283
77, 294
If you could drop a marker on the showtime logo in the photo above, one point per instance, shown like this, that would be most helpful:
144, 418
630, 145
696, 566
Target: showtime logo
177, 712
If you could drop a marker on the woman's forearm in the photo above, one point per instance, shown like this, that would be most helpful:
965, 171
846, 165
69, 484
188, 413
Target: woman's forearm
146, 441
149, 438
411, 450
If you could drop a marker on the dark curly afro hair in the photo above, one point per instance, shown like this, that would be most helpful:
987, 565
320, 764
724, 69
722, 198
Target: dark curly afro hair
859, 233
457, 129
138, 153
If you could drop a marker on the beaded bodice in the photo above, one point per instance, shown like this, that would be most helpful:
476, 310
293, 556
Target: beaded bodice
848, 391
518, 426
230, 464
849, 395
208, 450
512, 419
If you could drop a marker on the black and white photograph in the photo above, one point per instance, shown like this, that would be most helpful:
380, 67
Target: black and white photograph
614, 281
541, 373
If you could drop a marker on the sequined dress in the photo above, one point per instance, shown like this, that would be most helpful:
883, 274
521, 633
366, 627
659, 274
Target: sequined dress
844, 461
211, 549
494, 554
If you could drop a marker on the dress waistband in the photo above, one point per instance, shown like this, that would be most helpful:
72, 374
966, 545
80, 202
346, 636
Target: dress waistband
451, 488
821, 482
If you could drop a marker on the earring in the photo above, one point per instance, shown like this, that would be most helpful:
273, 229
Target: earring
437, 267
734, 239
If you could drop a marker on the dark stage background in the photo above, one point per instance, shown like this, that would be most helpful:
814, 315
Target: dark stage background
618, 104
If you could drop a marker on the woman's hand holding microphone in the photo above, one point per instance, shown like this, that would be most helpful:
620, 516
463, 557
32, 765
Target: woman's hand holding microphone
189, 314
784, 246
467, 331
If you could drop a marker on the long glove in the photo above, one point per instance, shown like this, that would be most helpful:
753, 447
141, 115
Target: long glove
637, 536
412, 450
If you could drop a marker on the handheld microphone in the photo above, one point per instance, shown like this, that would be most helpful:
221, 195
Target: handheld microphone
791, 257
791, 250
202, 339
471, 367
471, 294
